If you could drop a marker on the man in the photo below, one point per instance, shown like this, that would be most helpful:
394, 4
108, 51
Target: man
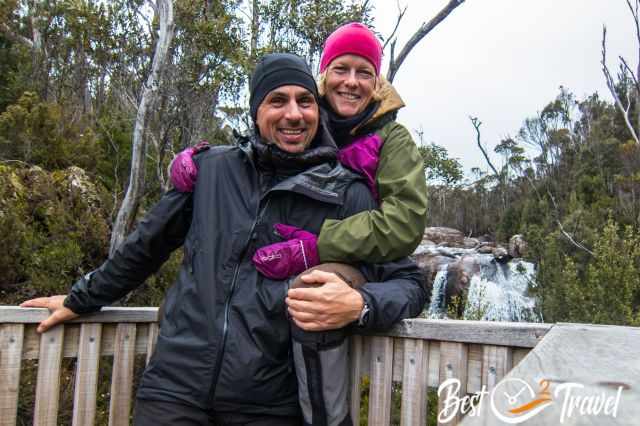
223, 354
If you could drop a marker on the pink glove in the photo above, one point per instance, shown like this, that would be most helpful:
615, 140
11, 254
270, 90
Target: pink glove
184, 172
362, 156
282, 260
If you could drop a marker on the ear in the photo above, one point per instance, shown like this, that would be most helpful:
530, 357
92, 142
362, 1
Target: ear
322, 81
377, 92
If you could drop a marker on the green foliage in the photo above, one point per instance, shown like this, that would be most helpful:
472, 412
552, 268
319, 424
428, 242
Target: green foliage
606, 288
438, 166
36, 132
54, 228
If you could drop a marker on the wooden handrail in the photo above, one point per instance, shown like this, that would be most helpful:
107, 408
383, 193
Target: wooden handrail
517, 334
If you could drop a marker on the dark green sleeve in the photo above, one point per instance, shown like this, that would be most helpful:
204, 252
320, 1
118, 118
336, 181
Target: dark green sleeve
395, 229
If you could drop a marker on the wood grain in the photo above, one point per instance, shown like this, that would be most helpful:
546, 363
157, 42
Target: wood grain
11, 337
48, 386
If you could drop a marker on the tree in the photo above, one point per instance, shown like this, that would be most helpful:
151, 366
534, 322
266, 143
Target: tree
628, 85
129, 207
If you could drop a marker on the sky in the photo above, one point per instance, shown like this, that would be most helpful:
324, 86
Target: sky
501, 61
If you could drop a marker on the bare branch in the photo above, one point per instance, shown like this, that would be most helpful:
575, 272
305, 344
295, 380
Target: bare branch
612, 88
476, 124
636, 18
401, 13
627, 69
565, 233
424, 29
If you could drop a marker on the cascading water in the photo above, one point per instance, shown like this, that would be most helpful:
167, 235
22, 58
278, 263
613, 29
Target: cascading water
495, 291
499, 292
437, 307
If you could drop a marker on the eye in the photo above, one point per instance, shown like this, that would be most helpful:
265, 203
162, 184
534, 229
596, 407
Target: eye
339, 69
277, 101
365, 74
306, 101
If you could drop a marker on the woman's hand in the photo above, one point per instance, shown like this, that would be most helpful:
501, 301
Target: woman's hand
55, 304
331, 305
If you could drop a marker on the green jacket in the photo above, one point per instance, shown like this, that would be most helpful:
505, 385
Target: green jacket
396, 228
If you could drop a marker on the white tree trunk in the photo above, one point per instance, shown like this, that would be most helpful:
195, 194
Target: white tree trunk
127, 212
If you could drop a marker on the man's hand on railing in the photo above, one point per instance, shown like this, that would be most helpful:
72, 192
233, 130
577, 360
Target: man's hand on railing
329, 306
55, 304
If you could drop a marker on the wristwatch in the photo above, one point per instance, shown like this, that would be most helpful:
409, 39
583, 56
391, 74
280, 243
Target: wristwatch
364, 315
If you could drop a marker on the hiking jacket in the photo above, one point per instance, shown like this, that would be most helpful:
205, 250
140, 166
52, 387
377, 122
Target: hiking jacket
225, 342
396, 228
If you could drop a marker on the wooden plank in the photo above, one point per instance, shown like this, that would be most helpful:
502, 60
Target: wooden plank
474, 368
355, 358
398, 359
15, 314
48, 385
519, 354
84, 397
496, 363
122, 375
381, 381
414, 382
519, 334
433, 378
11, 337
595, 361
453, 365
152, 338
31, 348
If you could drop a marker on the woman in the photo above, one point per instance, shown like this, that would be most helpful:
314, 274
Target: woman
361, 107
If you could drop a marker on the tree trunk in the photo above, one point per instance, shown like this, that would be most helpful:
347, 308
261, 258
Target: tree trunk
255, 30
127, 212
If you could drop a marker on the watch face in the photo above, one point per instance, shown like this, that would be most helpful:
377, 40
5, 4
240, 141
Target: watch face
364, 315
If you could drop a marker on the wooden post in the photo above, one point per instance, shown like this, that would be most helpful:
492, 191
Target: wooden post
381, 381
48, 387
84, 397
355, 357
11, 338
453, 365
122, 375
151, 340
496, 363
414, 382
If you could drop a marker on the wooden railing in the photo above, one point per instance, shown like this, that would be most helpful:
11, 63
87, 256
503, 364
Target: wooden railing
417, 354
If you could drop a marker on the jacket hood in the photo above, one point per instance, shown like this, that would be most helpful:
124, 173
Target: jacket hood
389, 99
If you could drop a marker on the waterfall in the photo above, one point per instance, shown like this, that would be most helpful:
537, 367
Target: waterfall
499, 292
495, 291
437, 308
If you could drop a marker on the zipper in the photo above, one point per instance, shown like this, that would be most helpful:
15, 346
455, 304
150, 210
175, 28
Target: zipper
227, 304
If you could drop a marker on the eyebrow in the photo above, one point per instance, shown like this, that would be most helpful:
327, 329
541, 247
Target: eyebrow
277, 92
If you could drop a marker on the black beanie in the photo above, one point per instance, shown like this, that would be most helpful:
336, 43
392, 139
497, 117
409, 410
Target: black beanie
275, 70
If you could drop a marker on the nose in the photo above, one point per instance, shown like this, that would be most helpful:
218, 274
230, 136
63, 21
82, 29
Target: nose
293, 112
351, 80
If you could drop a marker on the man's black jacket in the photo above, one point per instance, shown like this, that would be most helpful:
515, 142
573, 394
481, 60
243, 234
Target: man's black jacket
224, 343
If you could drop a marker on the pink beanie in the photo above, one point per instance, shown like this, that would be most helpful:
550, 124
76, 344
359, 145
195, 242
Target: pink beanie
356, 39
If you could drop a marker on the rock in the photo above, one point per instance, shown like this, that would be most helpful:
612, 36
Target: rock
485, 249
517, 246
449, 236
486, 238
430, 264
501, 254
470, 243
